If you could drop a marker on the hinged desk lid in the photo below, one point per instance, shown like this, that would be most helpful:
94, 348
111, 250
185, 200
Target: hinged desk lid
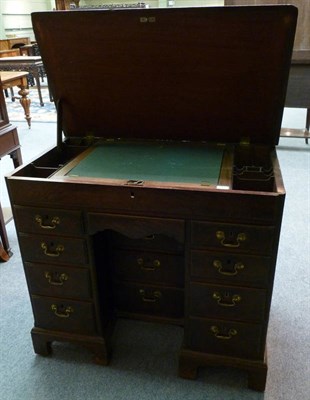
210, 74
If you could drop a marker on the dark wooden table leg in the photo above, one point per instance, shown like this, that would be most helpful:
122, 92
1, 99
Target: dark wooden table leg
36, 76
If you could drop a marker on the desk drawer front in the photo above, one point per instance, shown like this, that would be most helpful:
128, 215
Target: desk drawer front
53, 249
48, 221
64, 315
230, 268
165, 269
227, 302
227, 338
149, 300
58, 281
230, 237
135, 227
150, 242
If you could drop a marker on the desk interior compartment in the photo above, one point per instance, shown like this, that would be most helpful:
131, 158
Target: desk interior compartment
253, 169
50, 162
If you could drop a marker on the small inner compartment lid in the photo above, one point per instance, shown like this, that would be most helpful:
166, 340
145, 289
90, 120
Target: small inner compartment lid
198, 74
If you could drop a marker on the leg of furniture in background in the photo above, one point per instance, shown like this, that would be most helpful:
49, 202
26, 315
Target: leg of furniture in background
36, 75
308, 123
5, 251
25, 102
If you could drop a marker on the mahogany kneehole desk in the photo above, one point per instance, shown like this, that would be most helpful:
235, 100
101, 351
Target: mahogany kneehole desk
163, 201
187, 254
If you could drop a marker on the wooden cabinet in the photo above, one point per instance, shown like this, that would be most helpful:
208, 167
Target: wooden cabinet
7, 44
65, 4
164, 201
9, 145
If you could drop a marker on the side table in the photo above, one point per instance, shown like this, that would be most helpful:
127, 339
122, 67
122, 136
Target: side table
31, 64
10, 79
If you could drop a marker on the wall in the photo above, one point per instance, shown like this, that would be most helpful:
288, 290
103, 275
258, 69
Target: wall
15, 16
157, 3
15, 19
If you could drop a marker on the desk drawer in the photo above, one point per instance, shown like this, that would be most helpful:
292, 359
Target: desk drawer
160, 268
64, 315
150, 230
53, 249
48, 221
58, 281
231, 237
149, 300
227, 302
149, 242
227, 338
230, 268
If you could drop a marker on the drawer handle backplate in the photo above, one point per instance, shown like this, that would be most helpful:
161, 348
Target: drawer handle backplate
147, 265
241, 237
226, 301
58, 250
219, 266
61, 311
54, 222
156, 295
223, 336
55, 278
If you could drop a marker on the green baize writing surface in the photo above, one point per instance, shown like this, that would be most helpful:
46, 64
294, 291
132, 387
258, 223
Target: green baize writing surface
153, 161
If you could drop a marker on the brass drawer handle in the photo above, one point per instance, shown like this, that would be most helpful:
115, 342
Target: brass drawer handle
55, 278
156, 295
224, 336
237, 267
149, 237
221, 300
220, 235
148, 265
61, 312
54, 222
58, 250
